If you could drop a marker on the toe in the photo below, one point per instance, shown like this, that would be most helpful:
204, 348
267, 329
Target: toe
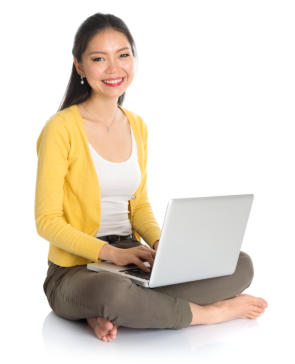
253, 317
253, 314
256, 312
114, 330
109, 338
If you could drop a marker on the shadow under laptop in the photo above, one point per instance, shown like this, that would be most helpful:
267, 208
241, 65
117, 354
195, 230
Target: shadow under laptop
75, 338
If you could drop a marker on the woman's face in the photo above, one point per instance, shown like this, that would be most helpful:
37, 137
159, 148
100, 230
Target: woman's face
108, 57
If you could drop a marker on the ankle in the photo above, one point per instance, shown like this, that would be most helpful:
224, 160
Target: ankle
203, 315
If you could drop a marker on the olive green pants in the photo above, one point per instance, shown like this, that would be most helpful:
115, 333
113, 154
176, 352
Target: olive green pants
76, 293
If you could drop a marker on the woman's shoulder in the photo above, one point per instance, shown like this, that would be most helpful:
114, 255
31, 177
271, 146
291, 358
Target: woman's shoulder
62, 124
62, 121
65, 116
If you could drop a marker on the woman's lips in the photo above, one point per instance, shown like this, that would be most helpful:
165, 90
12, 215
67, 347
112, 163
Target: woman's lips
113, 84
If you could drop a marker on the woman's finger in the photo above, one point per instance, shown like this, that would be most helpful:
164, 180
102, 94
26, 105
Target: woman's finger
146, 249
140, 264
147, 256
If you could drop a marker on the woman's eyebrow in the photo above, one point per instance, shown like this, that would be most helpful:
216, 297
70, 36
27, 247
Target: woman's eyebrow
119, 50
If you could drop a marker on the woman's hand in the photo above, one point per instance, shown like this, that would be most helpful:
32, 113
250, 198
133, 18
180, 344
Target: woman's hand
156, 244
122, 257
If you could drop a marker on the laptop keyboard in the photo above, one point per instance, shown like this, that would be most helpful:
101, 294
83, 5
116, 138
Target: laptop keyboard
137, 272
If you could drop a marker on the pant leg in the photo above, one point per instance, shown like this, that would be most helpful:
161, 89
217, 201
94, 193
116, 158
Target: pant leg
76, 293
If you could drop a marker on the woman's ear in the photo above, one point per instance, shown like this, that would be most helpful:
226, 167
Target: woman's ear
79, 68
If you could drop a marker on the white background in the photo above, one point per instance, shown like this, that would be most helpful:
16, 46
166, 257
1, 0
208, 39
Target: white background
215, 85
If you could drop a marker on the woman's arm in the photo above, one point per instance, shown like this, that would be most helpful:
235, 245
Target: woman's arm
53, 148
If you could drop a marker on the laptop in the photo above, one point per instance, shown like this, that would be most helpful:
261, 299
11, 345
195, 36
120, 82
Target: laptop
201, 238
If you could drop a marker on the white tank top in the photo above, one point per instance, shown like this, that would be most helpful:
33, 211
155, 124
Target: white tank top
118, 181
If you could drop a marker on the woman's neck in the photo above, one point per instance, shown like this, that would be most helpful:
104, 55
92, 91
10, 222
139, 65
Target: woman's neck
101, 108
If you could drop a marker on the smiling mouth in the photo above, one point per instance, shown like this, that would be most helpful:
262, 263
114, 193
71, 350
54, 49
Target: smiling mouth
113, 81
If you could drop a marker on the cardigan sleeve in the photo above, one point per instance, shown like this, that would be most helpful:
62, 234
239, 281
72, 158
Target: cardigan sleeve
144, 221
53, 146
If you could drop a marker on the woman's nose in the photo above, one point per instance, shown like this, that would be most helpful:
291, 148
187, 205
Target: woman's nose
112, 66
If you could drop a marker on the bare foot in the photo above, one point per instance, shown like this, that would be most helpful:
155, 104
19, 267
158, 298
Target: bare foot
243, 306
103, 328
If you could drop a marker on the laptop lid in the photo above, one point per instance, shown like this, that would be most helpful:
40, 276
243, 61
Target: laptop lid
201, 238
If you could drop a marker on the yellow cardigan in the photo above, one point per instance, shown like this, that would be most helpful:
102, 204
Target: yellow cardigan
67, 197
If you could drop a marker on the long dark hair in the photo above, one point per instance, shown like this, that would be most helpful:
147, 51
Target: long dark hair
75, 92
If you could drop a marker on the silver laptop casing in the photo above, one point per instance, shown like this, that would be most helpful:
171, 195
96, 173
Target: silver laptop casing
201, 238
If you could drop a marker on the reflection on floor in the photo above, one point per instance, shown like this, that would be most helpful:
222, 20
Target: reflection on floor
242, 338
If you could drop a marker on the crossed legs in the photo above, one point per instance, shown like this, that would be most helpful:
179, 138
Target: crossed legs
210, 300
108, 301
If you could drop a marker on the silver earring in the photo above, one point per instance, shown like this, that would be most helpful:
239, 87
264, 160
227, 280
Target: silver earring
82, 81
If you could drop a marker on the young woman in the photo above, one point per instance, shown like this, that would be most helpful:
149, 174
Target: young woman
92, 204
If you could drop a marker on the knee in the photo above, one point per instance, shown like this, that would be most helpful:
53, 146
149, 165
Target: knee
245, 268
108, 289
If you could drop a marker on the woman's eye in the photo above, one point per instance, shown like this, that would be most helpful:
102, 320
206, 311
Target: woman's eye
124, 55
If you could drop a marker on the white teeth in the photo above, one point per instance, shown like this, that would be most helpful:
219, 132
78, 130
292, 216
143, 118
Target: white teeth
114, 81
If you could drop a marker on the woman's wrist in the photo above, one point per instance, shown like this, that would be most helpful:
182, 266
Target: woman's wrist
106, 252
